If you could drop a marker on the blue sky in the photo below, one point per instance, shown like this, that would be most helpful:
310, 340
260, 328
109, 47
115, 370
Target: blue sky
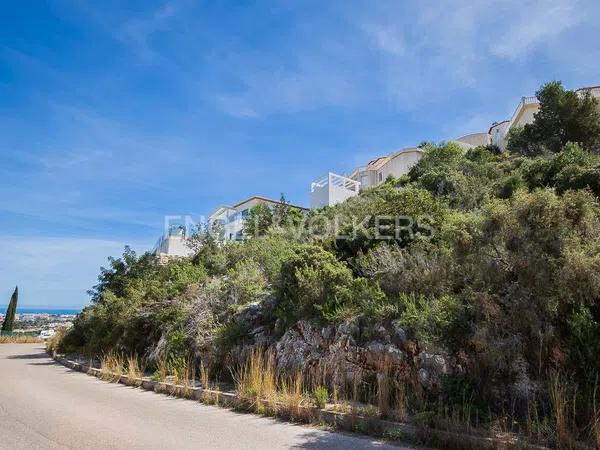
115, 114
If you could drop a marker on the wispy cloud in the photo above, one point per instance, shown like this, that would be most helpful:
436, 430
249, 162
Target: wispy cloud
533, 26
138, 31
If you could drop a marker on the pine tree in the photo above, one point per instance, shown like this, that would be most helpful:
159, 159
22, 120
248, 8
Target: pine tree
9, 317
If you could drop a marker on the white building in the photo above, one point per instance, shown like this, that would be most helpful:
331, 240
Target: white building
333, 188
473, 140
231, 218
172, 245
524, 114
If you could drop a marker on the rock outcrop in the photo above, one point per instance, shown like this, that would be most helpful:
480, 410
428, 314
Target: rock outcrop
342, 353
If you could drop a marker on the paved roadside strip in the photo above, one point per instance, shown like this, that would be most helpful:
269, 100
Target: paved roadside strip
339, 420
46, 405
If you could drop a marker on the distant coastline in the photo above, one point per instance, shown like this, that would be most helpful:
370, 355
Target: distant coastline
34, 310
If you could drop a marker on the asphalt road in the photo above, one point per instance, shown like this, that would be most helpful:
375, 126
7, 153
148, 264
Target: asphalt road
45, 405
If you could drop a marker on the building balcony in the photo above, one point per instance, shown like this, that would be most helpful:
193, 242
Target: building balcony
332, 189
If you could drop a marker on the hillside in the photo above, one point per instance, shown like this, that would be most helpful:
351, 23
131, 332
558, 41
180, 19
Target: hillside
472, 285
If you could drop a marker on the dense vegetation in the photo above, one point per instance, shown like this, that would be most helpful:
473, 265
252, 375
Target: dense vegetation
496, 264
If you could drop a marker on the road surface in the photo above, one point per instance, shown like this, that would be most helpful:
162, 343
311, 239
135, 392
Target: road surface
45, 405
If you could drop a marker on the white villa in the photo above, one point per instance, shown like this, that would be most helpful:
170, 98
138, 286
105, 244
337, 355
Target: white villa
333, 188
523, 114
231, 218
172, 246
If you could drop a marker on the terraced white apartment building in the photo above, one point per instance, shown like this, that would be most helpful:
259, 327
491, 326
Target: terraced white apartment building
332, 188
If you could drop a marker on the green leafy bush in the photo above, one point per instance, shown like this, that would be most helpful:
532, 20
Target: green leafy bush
321, 395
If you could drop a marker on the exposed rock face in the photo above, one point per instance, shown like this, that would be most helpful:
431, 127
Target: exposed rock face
333, 351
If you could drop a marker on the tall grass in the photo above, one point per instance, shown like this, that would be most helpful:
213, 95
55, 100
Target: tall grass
184, 376
293, 399
134, 371
560, 405
210, 394
111, 367
20, 339
259, 389
256, 382
383, 387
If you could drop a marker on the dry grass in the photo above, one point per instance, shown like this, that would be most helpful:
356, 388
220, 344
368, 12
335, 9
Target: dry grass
111, 366
256, 383
184, 376
210, 394
383, 388
162, 370
293, 399
134, 371
204, 376
260, 390
20, 339
560, 408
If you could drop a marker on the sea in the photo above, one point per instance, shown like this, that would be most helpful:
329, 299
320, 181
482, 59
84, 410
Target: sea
33, 310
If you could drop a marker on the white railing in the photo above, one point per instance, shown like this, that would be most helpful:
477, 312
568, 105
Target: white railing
331, 189
524, 101
593, 90
332, 179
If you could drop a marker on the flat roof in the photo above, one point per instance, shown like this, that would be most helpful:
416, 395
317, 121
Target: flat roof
268, 200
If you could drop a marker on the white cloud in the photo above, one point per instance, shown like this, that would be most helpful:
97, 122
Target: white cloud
534, 25
137, 31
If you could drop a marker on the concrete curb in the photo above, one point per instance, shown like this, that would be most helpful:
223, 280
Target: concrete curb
333, 418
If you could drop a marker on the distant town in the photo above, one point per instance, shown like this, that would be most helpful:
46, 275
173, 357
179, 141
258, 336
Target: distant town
42, 324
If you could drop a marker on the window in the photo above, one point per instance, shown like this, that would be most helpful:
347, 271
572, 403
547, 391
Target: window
380, 175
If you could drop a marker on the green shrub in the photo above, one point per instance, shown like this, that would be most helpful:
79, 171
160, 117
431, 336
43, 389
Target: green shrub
246, 282
321, 395
430, 320
314, 284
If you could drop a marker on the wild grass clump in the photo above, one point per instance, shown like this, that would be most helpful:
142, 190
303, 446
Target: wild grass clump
260, 390
256, 383
184, 376
111, 367
162, 370
134, 371
210, 391
19, 339
293, 399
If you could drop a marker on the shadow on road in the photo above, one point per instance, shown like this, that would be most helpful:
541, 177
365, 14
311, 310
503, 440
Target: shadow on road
40, 358
28, 356
318, 440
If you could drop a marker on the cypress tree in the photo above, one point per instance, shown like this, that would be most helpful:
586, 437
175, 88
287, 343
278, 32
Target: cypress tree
9, 317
